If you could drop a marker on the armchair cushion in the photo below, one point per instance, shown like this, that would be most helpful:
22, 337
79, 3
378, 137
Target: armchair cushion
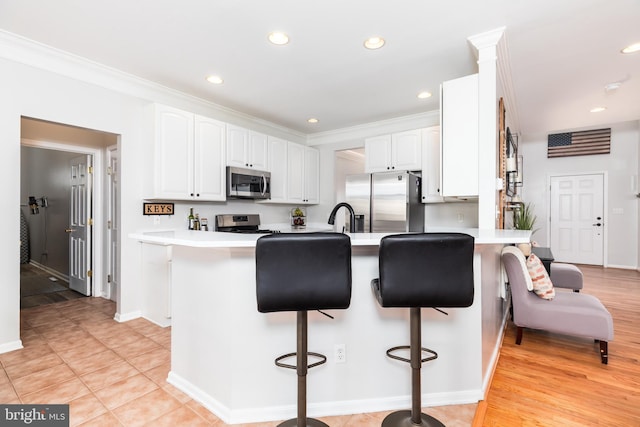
542, 285
522, 262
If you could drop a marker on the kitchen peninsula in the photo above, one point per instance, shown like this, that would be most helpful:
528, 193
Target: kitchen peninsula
222, 348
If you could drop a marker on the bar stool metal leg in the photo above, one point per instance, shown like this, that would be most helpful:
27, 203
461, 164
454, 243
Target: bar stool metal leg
415, 417
301, 370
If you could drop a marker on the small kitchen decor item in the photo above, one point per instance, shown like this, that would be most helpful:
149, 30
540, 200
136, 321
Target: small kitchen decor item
157, 208
298, 218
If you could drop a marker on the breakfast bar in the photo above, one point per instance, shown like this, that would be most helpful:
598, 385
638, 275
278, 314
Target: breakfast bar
223, 349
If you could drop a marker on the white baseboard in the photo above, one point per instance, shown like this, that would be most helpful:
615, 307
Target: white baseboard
125, 317
10, 346
622, 267
275, 413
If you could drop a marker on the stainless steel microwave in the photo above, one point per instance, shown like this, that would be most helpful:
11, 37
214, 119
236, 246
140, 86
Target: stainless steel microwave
248, 183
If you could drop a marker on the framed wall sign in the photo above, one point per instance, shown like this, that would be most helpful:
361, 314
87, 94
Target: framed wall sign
157, 208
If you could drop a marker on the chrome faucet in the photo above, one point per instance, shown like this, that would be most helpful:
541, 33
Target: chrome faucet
352, 216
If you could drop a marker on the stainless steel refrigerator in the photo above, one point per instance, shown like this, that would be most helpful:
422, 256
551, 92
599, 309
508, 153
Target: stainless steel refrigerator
386, 202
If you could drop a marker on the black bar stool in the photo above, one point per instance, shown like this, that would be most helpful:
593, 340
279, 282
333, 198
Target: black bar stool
422, 270
301, 272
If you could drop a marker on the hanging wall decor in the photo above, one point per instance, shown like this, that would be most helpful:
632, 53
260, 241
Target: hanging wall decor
581, 143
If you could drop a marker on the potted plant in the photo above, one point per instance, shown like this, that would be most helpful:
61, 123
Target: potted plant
524, 219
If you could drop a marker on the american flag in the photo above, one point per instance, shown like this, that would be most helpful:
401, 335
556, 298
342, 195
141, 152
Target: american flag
581, 143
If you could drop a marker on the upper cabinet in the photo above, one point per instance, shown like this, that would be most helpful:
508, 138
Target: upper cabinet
303, 174
398, 151
247, 149
189, 156
431, 165
295, 172
278, 154
459, 137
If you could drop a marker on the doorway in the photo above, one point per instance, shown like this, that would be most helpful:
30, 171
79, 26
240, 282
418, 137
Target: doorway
577, 223
50, 154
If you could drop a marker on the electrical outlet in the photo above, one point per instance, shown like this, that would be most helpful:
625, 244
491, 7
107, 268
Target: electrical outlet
340, 351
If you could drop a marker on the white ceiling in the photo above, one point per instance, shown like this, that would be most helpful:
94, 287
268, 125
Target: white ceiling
562, 53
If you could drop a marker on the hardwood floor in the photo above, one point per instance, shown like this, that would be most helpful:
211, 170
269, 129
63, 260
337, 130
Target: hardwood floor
555, 380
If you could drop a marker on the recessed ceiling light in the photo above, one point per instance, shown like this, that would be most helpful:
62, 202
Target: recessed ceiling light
278, 38
632, 48
374, 43
216, 80
424, 95
597, 109
313, 120
610, 87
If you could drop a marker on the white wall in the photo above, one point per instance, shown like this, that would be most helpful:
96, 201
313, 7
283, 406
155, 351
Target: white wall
115, 103
621, 166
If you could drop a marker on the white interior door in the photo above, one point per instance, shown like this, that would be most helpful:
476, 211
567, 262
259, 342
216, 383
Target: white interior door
577, 218
80, 225
113, 226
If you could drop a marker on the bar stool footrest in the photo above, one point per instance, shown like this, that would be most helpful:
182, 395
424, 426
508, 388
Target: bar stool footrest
322, 360
390, 354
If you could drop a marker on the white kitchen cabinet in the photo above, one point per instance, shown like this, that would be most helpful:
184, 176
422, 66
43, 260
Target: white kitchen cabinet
459, 137
247, 149
311, 175
431, 165
278, 154
303, 174
398, 151
189, 150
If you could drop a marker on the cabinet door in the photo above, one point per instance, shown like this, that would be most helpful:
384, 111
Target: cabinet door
459, 137
237, 145
210, 172
377, 153
406, 150
278, 149
295, 168
431, 165
311, 175
258, 152
173, 153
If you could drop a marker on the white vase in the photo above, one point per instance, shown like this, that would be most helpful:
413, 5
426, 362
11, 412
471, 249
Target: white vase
525, 248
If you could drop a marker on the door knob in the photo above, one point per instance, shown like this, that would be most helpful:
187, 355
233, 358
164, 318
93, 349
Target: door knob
69, 230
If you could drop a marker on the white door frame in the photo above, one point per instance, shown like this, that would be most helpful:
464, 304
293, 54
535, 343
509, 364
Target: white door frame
111, 258
97, 260
605, 208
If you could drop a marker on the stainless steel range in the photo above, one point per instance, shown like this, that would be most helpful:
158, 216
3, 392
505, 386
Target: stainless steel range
240, 224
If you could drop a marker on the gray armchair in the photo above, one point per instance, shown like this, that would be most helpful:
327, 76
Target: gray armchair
568, 313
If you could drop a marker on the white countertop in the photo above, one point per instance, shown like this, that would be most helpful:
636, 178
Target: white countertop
211, 239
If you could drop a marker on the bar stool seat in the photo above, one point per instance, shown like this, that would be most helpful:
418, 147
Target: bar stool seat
301, 272
431, 270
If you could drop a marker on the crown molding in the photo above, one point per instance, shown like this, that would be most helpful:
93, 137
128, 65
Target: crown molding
487, 39
359, 132
38, 55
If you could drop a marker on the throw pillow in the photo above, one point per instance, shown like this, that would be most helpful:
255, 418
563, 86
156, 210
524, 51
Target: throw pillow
542, 285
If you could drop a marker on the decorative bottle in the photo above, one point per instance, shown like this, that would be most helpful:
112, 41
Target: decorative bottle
191, 219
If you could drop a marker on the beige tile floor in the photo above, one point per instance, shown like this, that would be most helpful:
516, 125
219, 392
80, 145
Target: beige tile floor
115, 374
